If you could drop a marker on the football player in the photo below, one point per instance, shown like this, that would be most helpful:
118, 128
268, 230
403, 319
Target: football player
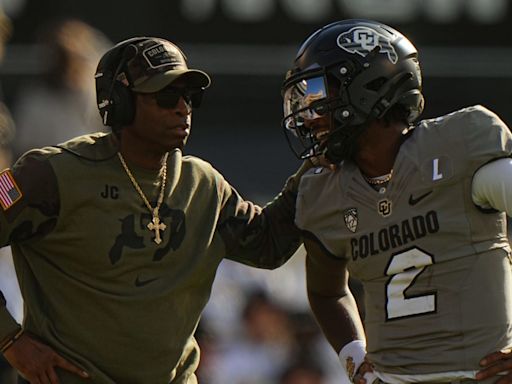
416, 211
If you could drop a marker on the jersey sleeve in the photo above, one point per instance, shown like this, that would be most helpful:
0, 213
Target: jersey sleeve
318, 215
459, 144
30, 207
261, 237
486, 136
473, 136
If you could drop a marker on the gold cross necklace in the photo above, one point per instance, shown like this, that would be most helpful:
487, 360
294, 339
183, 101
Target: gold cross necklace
154, 224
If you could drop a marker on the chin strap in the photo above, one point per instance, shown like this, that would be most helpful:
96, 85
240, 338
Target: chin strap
342, 143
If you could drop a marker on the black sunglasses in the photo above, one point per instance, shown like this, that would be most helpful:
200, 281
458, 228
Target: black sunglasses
169, 96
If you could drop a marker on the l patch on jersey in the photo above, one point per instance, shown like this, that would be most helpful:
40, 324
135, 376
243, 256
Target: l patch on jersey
10, 193
436, 175
438, 169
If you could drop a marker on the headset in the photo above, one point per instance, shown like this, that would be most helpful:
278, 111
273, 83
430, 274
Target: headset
115, 100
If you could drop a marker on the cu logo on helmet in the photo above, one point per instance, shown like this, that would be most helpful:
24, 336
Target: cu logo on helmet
363, 40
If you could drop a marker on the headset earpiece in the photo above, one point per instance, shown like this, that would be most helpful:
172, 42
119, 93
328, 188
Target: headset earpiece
114, 98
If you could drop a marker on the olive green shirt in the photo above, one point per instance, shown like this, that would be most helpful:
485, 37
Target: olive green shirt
97, 288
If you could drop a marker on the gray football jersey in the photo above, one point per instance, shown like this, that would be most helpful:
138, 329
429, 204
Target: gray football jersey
436, 269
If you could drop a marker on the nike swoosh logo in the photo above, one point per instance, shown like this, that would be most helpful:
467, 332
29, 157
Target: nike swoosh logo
414, 201
141, 283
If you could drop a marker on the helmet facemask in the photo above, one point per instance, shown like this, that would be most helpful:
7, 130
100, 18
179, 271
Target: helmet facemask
319, 119
305, 101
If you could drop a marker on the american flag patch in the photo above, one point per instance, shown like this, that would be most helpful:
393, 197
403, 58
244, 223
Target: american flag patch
9, 191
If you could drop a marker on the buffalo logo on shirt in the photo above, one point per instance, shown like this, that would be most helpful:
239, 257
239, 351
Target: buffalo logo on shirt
134, 234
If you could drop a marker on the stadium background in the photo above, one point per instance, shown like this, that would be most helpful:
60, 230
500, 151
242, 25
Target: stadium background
247, 45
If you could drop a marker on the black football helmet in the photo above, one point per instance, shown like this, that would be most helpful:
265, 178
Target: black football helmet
351, 71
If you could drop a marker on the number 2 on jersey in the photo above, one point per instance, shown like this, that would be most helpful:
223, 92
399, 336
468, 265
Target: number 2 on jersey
404, 268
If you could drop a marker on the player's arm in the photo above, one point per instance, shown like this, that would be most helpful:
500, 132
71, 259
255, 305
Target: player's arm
334, 306
492, 189
492, 186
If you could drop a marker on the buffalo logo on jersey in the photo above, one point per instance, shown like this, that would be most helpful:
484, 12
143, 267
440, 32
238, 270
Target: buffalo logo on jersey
363, 40
10, 193
350, 216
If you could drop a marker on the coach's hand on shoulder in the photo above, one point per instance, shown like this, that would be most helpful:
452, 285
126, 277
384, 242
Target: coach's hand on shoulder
497, 363
322, 161
36, 361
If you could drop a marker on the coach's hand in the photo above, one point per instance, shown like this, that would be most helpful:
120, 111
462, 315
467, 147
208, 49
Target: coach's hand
36, 362
494, 363
322, 161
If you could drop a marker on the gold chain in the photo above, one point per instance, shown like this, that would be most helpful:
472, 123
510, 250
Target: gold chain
380, 179
155, 224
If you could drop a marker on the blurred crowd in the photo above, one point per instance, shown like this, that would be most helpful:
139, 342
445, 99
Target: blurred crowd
258, 329
70, 50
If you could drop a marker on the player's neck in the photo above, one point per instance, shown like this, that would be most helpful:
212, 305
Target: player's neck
378, 148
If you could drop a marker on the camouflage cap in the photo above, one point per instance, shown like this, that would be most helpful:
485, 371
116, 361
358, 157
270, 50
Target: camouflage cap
157, 63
